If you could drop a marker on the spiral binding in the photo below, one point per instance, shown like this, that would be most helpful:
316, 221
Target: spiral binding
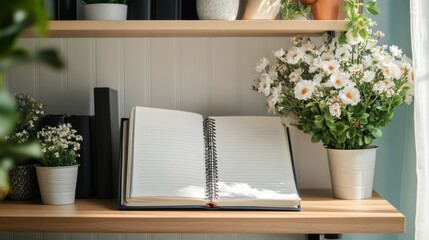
211, 160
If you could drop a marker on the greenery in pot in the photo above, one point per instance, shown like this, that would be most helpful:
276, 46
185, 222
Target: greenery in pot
358, 21
291, 8
30, 112
17, 17
59, 146
104, 1
342, 91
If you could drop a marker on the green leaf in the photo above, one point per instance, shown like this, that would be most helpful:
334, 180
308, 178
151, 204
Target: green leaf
331, 125
341, 127
50, 57
373, 10
7, 113
363, 33
376, 133
368, 140
369, 127
363, 121
342, 138
360, 141
364, 116
29, 149
316, 138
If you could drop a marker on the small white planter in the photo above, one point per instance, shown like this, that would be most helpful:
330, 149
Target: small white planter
57, 184
105, 11
217, 9
261, 9
352, 172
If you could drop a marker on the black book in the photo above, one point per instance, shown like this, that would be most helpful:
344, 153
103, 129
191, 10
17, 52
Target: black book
107, 139
140, 10
175, 10
53, 120
84, 182
61, 9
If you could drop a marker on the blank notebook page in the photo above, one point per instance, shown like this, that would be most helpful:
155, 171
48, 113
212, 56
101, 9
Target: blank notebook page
253, 159
168, 152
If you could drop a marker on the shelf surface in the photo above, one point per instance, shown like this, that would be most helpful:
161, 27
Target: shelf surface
201, 28
320, 214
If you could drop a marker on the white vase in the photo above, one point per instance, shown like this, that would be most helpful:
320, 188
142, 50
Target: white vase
261, 9
217, 9
352, 172
57, 184
105, 11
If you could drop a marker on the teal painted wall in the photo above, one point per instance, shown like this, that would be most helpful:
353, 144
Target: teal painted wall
395, 176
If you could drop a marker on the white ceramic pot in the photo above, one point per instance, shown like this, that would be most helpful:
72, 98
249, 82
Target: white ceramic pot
217, 9
261, 9
352, 172
57, 184
105, 11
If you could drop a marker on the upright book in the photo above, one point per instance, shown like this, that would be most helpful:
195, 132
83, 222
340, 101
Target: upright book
177, 159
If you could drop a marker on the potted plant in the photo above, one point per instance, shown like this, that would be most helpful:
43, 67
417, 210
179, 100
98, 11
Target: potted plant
323, 9
341, 92
105, 9
57, 172
17, 16
265, 9
292, 10
23, 178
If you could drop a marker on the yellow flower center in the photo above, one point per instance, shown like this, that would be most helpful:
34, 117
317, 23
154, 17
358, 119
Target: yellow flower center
387, 71
338, 81
304, 91
332, 68
349, 95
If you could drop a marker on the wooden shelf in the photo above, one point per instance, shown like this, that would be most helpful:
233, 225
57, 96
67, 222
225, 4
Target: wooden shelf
205, 28
320, 214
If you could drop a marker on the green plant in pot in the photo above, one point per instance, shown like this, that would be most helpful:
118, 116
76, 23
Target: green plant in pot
57, 172
292, 9
17, 17
105, 9
342, 93
23, 178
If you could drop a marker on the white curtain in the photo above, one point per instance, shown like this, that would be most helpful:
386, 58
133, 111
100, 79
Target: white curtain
420, 44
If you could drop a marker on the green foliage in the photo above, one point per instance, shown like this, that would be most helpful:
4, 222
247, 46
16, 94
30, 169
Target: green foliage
16, 17
291, 9
359, 23
105, 1
59, 145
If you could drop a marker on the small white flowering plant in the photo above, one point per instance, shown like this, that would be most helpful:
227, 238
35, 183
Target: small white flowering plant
30, 112
342, 91
60, 145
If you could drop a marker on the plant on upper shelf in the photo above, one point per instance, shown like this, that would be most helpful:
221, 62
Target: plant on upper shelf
105, 1
59, 146
17, 17
342, 91
291, 9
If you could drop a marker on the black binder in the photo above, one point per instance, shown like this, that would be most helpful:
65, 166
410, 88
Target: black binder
175, 10
106, 139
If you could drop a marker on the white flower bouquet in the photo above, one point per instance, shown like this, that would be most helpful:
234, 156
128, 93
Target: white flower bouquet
59, 146
341, 92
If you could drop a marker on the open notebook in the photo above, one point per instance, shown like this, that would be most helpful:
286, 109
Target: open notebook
177, 159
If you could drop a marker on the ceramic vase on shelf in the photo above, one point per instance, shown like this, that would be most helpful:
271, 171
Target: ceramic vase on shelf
217, 9
262, 9
105, 11
323, 9
57, 184
352, 172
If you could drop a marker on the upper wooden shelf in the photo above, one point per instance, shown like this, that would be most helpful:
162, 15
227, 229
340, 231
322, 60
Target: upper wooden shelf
320, 214
200, 28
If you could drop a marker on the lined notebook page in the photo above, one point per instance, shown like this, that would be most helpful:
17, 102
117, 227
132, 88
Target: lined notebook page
168, 154
253, 159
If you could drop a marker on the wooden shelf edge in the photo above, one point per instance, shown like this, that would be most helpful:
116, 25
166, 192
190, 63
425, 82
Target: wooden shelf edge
320, 214
202, 28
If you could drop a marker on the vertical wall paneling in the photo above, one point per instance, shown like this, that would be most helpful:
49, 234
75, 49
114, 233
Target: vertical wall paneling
162, 75
82, 236
250, 50
6, 236
136, 73
194, 236
109, 236
223, 76
53, 82
79, 68
135, 236
55, 236
167, 236
193, 89
26, 236
23, 77
225, 236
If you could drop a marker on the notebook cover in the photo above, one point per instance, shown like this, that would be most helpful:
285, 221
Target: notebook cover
53, 120
140, 10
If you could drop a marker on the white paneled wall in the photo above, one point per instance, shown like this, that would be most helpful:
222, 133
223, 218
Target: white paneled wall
211, 76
